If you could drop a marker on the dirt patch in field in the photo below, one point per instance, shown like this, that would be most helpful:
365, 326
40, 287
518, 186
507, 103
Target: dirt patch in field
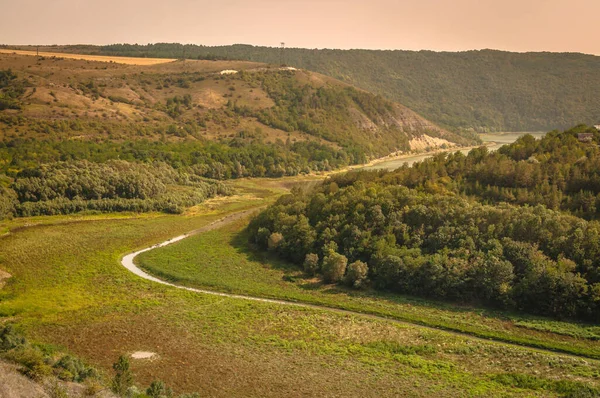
4, 276
144, 355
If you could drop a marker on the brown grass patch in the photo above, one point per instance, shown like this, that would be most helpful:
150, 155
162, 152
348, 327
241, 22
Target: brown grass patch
191, 362
99, 58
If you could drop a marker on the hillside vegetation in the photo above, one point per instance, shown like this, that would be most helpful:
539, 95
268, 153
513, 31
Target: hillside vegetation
190, 120
483, 90
443, 228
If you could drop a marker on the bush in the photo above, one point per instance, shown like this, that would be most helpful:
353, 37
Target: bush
262, 237
123, 379
334, 267
73, 369
10, 339
35, 365
275, 239
311, 263
158, 390
8, 203
356, 275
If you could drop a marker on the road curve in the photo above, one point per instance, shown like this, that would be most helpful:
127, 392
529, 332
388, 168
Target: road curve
128, 262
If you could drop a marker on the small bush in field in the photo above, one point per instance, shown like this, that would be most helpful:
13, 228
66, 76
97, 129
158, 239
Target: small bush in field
311, 263
334, 267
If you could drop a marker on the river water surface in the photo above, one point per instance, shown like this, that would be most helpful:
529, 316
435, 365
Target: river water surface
493, 141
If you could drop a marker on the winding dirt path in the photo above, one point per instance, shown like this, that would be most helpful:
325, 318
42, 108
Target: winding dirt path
128, 262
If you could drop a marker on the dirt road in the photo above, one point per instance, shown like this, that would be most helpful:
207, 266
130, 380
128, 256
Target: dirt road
128, 262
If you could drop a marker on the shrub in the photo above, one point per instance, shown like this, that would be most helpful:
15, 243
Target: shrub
275, 239
58, 391
334, 267
10, 339
356, 275
158, 390
34, 363
73, 369
123, 379
262, 236
311, 263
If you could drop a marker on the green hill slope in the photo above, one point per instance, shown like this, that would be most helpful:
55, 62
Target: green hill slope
202, 119
482, 90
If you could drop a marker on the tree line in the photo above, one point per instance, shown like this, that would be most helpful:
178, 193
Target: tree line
116, 185
237, 157
559, 171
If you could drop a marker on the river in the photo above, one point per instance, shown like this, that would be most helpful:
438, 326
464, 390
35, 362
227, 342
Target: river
492, 140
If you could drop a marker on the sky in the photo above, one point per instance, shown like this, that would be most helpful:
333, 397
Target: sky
441, 25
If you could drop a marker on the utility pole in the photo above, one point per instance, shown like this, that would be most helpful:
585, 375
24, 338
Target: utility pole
281, 54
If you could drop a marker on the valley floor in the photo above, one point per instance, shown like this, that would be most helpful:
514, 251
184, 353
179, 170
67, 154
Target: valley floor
70, 290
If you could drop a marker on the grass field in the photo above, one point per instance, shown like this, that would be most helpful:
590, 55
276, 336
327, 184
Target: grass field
222, 260
69, 290
99, 58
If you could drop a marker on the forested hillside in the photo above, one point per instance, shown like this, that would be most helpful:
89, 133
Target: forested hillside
186, 121
482, 90
444, 229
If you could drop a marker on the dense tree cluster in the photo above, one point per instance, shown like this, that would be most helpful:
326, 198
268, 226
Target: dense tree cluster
234, 158
361, 228
175, 106
117, 185
559, 171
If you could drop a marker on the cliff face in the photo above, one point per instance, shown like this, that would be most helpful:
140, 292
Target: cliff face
421, 133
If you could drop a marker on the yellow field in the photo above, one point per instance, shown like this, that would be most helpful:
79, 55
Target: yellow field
99, 58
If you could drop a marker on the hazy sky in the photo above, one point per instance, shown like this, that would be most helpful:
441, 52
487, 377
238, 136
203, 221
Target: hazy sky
516, 25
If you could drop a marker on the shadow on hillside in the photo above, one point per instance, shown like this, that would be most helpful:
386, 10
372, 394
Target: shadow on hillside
240, 242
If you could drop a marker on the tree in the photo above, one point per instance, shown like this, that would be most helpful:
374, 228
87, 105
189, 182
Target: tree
334, 267
123, 379
311, 263
158, 390
356, 275
387, 271
492, 278
275, 239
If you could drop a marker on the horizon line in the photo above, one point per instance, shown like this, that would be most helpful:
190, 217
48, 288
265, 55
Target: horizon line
306, 48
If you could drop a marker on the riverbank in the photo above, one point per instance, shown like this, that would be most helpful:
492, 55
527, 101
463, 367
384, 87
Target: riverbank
491, 141
408, 155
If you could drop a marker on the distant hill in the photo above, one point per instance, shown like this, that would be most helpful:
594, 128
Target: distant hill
54, 98
482, 90
64, 119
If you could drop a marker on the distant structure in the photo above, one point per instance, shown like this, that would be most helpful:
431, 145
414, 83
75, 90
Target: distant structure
281, 53
585, 137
